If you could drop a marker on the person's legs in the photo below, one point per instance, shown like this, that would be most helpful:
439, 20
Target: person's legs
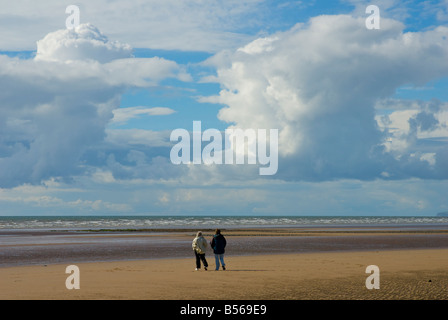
217, 261
198, 260
204, 261
221, 257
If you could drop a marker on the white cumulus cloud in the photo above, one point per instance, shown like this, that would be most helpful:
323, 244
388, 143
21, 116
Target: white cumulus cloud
83, 42
55, 108
319, 82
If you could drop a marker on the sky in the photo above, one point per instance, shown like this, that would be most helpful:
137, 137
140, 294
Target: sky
87, 113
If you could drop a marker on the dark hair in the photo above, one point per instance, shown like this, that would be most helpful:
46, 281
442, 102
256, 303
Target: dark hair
217, 231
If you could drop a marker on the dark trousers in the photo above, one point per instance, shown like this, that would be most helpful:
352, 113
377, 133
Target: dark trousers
200, 257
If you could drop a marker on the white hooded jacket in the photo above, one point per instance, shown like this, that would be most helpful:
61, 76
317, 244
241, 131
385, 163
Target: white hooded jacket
199, 244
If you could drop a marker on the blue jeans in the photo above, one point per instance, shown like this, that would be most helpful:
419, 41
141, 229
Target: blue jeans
219, 257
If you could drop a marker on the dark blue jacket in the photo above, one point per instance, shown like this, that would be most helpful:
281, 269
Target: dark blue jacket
218, 244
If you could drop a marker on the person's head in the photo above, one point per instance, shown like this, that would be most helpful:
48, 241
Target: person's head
199, 234
217, 231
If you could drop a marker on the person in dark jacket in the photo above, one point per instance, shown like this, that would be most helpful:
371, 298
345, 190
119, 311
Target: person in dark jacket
218, 245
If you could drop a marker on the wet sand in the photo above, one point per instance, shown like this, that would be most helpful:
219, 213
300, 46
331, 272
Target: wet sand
268, 264
19, 248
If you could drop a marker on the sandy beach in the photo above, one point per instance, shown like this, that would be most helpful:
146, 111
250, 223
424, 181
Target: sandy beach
406, 274
416, 270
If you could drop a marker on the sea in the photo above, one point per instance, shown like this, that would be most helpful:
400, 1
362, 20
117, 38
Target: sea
212, 222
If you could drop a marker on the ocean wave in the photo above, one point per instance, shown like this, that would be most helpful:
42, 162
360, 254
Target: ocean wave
142, 222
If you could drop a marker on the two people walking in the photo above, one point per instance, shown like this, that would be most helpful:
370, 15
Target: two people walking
218, 245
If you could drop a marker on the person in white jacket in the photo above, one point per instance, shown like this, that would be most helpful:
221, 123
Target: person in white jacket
199, 246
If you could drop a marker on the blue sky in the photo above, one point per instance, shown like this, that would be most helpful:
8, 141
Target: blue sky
86, 114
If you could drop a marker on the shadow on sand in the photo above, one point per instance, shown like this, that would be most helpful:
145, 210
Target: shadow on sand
242, 270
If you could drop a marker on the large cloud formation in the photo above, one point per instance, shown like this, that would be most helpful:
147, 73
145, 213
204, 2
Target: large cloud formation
55, 108
327, 85
322, 85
